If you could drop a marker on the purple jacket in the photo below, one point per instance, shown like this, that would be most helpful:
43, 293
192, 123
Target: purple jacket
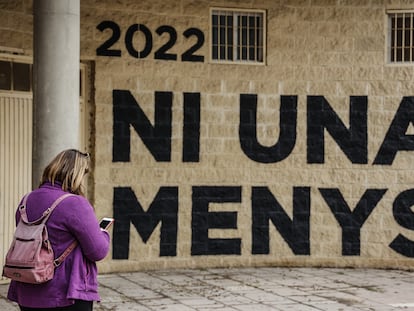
76, 278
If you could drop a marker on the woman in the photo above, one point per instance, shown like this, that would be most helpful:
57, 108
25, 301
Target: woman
74, 285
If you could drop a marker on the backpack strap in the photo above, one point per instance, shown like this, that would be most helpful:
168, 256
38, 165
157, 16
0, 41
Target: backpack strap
73, 245
49, 211
65, 254
46, 214
22, 208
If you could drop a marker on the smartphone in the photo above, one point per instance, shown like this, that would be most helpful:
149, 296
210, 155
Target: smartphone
106, 222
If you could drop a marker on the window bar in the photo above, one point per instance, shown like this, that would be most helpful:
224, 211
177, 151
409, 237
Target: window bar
239, 43
219, 36
224, 29
404, 44
248, 37
213, 39
259, 40
214, 35
411, 37
391, 38
246, 48
229, 33
253, 31
223, 37
403, 38
235, 37
256, 44
254, 37
251, 37
228, 28
395, 38
226, 38
409, 43
244, 37
257, 31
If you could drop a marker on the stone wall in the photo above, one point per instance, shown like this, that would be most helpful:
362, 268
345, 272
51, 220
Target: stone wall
312, 205
16, 25
322, 176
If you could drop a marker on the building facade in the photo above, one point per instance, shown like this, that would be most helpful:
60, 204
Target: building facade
245, 133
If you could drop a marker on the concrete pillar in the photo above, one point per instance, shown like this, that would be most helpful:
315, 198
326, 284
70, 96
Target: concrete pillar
55, 80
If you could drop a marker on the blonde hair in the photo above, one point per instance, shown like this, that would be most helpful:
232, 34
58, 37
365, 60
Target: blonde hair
68, 168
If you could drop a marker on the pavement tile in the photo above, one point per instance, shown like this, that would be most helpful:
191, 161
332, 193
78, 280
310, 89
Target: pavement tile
201, 303
253, 289
293, 307
262, 296
122, 306
153, 303
216, 309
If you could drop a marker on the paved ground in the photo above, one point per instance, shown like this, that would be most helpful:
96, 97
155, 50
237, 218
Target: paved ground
253, 289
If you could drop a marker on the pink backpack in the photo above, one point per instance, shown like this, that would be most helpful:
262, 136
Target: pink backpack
30, 258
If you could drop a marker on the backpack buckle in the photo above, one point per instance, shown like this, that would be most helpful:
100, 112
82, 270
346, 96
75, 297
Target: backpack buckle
46, 212
56, 263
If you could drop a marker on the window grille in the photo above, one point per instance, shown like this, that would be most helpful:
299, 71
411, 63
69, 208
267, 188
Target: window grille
401, 28
238, 36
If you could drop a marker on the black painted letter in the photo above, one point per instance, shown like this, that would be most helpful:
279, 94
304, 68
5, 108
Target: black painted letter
157, 138
351, 221
248, 130
396, 139
353, 142
127, 209
203, 220
404, 215
295, 232
191, 127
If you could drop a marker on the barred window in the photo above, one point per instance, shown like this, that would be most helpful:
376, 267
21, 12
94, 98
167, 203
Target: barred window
238, 36
400, 30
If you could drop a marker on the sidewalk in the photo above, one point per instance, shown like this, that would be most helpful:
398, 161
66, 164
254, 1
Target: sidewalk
253, 289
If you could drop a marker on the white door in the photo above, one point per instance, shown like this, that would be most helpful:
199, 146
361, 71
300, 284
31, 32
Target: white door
15, 160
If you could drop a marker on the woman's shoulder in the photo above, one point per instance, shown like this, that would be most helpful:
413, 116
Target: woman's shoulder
48, 194
74, 208
75, 200
38, 200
